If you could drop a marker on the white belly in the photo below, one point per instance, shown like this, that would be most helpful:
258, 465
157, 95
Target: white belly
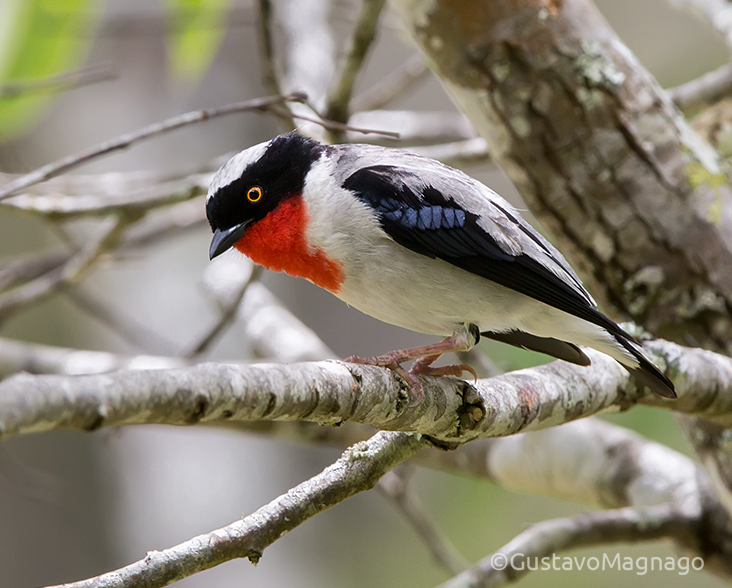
431, 296
398, 286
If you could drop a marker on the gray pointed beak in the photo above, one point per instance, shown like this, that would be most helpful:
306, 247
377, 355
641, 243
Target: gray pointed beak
226, 239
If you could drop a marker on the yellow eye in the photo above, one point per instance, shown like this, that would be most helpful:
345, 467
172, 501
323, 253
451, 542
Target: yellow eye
254, 194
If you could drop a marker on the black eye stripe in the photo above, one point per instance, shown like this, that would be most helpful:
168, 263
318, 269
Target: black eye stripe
279, 173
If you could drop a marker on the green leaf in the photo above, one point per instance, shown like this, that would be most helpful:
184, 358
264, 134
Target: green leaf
38, 39
197, 31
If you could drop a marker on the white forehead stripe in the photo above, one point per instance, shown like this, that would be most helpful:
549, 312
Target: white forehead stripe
233, 168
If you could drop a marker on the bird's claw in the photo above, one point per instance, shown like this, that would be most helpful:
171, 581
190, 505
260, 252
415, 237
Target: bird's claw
446, 370
421, 367
388, 361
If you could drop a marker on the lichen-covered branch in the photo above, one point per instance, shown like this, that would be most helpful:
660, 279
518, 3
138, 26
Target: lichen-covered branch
589, 461
335, 392
358, 469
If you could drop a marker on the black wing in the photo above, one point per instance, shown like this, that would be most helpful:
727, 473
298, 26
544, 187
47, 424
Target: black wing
423, 219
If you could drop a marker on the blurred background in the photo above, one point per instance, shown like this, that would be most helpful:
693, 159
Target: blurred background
74, 506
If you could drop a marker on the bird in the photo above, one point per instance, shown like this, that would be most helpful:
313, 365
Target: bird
415, 243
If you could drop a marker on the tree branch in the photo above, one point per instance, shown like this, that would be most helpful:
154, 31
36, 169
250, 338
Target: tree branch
589, 461
17, 356
364, 33
268, 61
358, 469
309, 60
271, 329
457, 153
125, 325
410, 125
334, 392
118, 183
59, 206
705, 89
227, 315
547, 538
395, 485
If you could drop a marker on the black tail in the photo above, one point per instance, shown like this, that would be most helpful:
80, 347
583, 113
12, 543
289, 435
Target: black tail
646, 373
554, 347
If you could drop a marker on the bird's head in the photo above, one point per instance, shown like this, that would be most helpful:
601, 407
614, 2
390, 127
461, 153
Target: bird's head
255, 183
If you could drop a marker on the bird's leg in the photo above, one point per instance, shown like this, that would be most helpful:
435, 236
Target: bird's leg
463, 340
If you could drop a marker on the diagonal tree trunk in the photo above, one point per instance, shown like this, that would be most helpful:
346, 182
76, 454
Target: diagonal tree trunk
603, 158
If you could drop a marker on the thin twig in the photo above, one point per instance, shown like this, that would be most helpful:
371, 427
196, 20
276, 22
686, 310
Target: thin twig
358, 469
418, 126
72, 161
268, 60
71, 272
68, 80
228, 315
547, 538
336, 126
395, 486
338, 106
29, 267
705, 89
391, 86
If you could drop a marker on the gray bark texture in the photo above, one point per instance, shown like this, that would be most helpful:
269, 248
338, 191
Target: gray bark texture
629, 192
599, 153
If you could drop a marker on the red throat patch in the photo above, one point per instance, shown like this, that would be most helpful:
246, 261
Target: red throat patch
278, 243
